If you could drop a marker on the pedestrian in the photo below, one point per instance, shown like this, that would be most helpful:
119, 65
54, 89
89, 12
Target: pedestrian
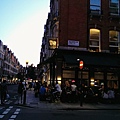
4, 91
81, 93
42, 93
36, 88
20, 90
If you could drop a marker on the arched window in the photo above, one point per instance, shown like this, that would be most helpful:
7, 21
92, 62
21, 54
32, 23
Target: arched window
94, 41
114, 40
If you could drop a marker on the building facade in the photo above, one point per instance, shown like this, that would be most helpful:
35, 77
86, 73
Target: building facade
1, 59
9, 64
87, 30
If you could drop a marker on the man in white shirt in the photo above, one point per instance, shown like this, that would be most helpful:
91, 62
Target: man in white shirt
58, 88
57, 92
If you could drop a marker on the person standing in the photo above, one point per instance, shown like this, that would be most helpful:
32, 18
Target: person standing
4, 91
20, 90
81, 93
42, 93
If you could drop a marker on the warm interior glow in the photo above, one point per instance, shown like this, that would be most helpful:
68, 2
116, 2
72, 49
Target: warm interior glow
58, 78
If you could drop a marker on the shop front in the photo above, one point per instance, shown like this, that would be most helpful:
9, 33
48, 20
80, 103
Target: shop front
98, 68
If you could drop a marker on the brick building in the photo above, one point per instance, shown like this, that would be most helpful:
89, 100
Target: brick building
87, 30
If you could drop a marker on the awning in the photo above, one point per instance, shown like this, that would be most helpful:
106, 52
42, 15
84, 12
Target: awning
93, 60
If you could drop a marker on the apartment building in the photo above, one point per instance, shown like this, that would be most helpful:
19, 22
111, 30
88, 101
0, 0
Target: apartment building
9, 64
1, 59
87, 30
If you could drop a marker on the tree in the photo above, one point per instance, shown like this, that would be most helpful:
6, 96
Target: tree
31, 72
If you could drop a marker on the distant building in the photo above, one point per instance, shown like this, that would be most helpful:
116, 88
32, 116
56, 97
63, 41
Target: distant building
88, 30
9, 64
1, 59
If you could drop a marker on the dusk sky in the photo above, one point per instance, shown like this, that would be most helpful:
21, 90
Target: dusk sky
22, 27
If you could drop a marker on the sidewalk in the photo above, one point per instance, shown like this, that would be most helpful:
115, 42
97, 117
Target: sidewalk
31, 101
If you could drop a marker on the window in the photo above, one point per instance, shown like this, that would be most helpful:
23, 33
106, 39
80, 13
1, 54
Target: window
114, 40
114, 7
95, 6
94, 42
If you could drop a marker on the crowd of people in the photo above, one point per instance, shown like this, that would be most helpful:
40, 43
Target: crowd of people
69, 92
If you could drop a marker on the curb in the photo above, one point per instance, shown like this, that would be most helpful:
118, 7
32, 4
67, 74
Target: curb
88, 109
27, 106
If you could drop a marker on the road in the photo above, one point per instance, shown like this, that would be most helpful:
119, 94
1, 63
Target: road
21, 113
13, 112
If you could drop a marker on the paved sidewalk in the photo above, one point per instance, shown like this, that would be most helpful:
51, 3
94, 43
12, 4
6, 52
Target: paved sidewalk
32, 101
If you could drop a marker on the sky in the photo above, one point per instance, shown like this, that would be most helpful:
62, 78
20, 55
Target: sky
22, 27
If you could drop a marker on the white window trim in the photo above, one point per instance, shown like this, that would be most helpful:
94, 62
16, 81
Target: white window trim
99, 40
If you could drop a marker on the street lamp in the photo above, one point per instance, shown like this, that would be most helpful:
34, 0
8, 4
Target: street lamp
26, 71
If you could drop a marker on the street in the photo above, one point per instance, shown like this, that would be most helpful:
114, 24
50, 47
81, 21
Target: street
11, 111
69, 115
21, 113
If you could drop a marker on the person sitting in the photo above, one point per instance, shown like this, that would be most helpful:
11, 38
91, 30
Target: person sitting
57, 91
111, 95
73, 91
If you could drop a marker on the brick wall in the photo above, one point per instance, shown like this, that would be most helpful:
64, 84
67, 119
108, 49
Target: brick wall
73, 22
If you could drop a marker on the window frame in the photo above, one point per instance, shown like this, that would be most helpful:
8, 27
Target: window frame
94, 40
114, 7
115, 40
95, 11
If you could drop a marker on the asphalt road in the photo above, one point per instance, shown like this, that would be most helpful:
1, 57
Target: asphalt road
37, 114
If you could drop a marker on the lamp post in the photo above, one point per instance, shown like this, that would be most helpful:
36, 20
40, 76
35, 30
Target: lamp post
81, 67
81, 64
26, 71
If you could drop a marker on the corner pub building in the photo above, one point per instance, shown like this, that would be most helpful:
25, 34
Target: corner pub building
88, 30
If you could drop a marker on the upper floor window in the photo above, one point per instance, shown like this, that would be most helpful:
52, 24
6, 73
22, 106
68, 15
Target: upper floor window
114, 7
114, 40
94, 41
95, 6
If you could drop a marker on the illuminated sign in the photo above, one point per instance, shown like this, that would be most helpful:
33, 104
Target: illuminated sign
52, 43
81, 64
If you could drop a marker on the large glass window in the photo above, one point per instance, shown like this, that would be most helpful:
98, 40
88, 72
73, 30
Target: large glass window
114, 40
95, 6
94, 42
114, 7
68, 74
